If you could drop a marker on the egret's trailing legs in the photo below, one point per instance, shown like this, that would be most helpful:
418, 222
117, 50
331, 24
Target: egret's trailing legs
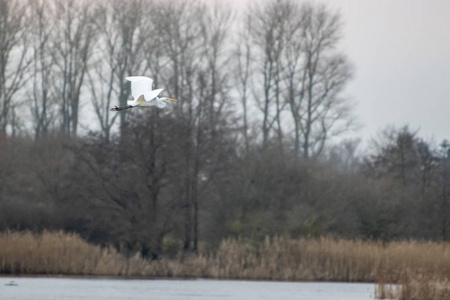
116, 108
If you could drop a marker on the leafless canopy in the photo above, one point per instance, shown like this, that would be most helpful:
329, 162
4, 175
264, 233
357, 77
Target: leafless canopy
299, 69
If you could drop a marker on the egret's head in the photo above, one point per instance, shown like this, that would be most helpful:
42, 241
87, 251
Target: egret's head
161, 103
168, 99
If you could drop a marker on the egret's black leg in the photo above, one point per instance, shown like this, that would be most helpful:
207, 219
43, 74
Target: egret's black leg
116, 108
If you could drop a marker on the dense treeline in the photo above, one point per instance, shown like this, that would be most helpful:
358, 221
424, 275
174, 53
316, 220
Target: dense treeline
248, 151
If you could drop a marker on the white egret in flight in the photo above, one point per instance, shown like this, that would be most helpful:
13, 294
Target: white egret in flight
141, 90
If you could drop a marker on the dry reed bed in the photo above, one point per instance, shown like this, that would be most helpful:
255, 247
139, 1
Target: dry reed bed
420, 287
324, 259
62, 253
317, 259
416, 286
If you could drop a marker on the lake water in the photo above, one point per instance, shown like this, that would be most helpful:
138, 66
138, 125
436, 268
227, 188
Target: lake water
112, 289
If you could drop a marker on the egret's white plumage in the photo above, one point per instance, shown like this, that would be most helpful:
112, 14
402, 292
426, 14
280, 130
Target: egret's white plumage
139, 85
143, 95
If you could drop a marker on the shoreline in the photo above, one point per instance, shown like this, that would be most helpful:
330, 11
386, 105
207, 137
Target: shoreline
100, 277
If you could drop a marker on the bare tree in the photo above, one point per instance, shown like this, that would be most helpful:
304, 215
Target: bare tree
317, 75
243, 59
269, 37
181, 44
43, 98
132, 190
419, 175
14, 60
397, 156
212, 93
119, 54
72, 52
154, 47
194, 72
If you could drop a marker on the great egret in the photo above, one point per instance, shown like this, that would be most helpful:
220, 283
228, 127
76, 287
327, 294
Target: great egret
141, 90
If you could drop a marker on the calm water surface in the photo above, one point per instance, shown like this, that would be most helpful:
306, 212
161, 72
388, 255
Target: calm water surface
112, 289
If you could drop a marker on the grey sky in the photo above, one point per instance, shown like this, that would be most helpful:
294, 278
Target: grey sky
401, 52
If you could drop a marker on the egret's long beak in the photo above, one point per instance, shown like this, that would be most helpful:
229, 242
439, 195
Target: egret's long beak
172, 99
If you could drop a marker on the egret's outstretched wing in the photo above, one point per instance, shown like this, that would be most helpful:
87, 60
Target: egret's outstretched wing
149, 96
140, 85
136, 102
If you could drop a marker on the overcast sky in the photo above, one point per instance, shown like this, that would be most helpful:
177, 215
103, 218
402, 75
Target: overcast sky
401, 53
